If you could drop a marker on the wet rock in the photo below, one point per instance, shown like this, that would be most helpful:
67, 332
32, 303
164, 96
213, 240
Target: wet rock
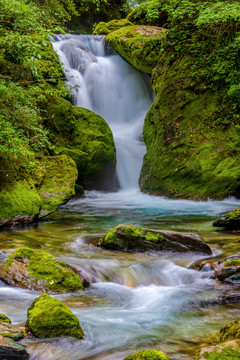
11, 350
132, 238
38, 270
228, 270
48, 317
230, 220
9, 334
228, 350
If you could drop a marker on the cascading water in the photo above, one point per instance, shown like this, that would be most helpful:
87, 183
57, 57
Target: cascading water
109, 86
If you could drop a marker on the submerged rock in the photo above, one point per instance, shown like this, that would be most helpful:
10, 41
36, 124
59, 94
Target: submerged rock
148, 355
139, 45
132, 238
9, 335
48, 317
38, 270
228, 270
230, 220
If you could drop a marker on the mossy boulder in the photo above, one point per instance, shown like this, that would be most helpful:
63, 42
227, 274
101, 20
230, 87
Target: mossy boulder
51, 184
139, 45
148, 355
86, 138
231, 220
104, 28
48, 317
228, 270
226, 351
187, 156
150, 13
38, 270
132, 238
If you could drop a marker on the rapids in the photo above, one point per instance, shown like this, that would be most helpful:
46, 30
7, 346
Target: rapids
136, 300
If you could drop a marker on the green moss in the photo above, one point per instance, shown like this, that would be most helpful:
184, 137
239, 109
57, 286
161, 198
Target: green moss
20, 198
227, 351
85, 137
105, 28
139, 45
232, 263
153, 237
58, 184
233, 215
231, 331
148, 355
42, 265
4, 318
132, 230
49, 317
187, 158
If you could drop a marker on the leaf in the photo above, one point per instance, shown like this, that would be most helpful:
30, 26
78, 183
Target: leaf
44, 42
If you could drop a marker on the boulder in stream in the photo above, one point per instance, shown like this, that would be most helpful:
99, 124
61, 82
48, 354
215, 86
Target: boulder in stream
133, 238
38, 270
10, 349
148, 355
228, 270
230, 220
48, 317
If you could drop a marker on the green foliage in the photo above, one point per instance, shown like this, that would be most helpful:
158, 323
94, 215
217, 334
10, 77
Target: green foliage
148, 355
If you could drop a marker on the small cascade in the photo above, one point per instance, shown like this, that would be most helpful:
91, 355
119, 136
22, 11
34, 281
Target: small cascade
106, 84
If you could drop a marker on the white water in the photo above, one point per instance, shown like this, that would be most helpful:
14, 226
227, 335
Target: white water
109, 86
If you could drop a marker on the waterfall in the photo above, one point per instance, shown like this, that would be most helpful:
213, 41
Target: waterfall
106, 84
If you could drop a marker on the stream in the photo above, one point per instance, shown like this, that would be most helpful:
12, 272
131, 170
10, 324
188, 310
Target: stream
135, 300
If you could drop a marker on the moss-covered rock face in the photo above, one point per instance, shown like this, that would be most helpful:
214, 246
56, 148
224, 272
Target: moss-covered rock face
230, 220
139, 45
186, 156
105, 28
48, 317
148, 355
5, 319
51, 184
86, 138
228, 270
231, 331
225, 351
36, 269
132, 238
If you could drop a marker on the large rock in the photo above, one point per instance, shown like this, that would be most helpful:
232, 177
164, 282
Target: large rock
228, 270
38, 270
48, 317
86, 138
132, 238
231, 220
148, 355
139, 45
9, 335
230, 331
51, 185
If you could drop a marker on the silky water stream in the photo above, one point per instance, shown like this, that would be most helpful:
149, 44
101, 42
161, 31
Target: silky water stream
136, 300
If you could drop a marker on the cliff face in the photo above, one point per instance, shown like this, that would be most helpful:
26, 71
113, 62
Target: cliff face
192, 129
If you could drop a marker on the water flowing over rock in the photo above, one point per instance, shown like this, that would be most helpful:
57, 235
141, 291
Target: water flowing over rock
107, 85
132, 238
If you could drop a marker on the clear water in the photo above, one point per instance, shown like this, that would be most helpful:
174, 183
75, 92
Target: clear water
136, 300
